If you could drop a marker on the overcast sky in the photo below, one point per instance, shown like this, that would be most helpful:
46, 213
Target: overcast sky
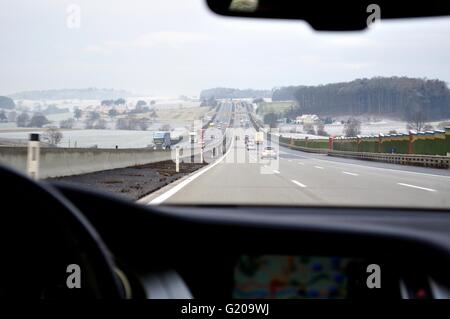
172, 47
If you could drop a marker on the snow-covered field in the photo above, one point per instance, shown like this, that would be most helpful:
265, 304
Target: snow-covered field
367, 128
160, 102
89, 138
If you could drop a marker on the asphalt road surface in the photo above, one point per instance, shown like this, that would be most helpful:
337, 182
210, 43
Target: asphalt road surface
299, 178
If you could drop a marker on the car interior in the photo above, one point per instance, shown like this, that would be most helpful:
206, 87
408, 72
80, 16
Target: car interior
215, 248
132, 251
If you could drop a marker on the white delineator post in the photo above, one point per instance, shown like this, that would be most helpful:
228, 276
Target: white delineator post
201, 145
177, 159
33, 156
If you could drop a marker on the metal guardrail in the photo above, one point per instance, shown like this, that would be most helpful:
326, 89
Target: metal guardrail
304, 149
402, 159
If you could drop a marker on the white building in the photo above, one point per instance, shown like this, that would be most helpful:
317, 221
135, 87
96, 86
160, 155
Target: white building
307, 119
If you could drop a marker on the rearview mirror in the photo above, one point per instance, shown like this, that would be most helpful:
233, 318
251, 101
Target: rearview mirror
331, 15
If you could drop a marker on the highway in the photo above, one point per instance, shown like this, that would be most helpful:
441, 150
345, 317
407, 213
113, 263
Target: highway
223, 116
299, 178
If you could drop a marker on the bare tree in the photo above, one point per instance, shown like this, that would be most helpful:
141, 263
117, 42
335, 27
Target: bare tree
52, 135
67, 124
100, 124
143, 124
122, 124
22, 120
77, 113
38, 120
3, 117
132, 123
89, 124
112, 113
308, 128
352, 127
416, 120
321, 130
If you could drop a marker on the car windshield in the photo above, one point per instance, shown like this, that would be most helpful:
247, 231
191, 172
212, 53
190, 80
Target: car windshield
164, 102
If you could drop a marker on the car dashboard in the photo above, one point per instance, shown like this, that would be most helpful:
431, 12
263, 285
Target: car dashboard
243, 252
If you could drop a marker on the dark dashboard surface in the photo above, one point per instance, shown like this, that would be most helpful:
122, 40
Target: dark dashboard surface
201, 246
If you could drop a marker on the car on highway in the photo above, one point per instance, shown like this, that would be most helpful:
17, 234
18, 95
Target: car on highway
269, 152
332, 214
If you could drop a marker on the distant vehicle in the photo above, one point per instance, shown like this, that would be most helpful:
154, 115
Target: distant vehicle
269, 152
161, 141
259, 137
251, 146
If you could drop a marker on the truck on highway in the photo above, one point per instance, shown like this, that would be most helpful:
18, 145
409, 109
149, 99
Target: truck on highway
259, 137
161, 141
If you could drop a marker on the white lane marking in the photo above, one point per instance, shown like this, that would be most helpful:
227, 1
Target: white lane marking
300, 163
276, 172
380, 168
164, 196
371, 167
349, 173
418, 187
319, 167
298, 183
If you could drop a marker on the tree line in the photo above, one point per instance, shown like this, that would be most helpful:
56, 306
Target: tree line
393, 97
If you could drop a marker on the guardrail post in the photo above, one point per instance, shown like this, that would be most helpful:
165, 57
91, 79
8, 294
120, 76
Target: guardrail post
192, 149
379, 143
201, 153
177, 159
33, 156
410, 143
224, 145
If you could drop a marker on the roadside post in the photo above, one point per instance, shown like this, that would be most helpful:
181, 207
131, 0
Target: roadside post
330, 143
224, 144
177, 159
410, 142
33, 156
192, 148
201, 145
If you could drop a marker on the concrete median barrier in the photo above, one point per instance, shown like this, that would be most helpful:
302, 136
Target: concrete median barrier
57, 162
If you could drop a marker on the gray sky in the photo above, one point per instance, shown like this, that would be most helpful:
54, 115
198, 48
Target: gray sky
171, 47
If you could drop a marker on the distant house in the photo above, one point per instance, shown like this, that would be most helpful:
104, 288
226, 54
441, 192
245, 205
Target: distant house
307, 119
282, 120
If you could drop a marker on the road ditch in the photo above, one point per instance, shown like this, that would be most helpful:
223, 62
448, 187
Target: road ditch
132, 182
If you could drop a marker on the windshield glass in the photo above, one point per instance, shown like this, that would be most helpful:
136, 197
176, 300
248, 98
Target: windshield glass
352, 119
